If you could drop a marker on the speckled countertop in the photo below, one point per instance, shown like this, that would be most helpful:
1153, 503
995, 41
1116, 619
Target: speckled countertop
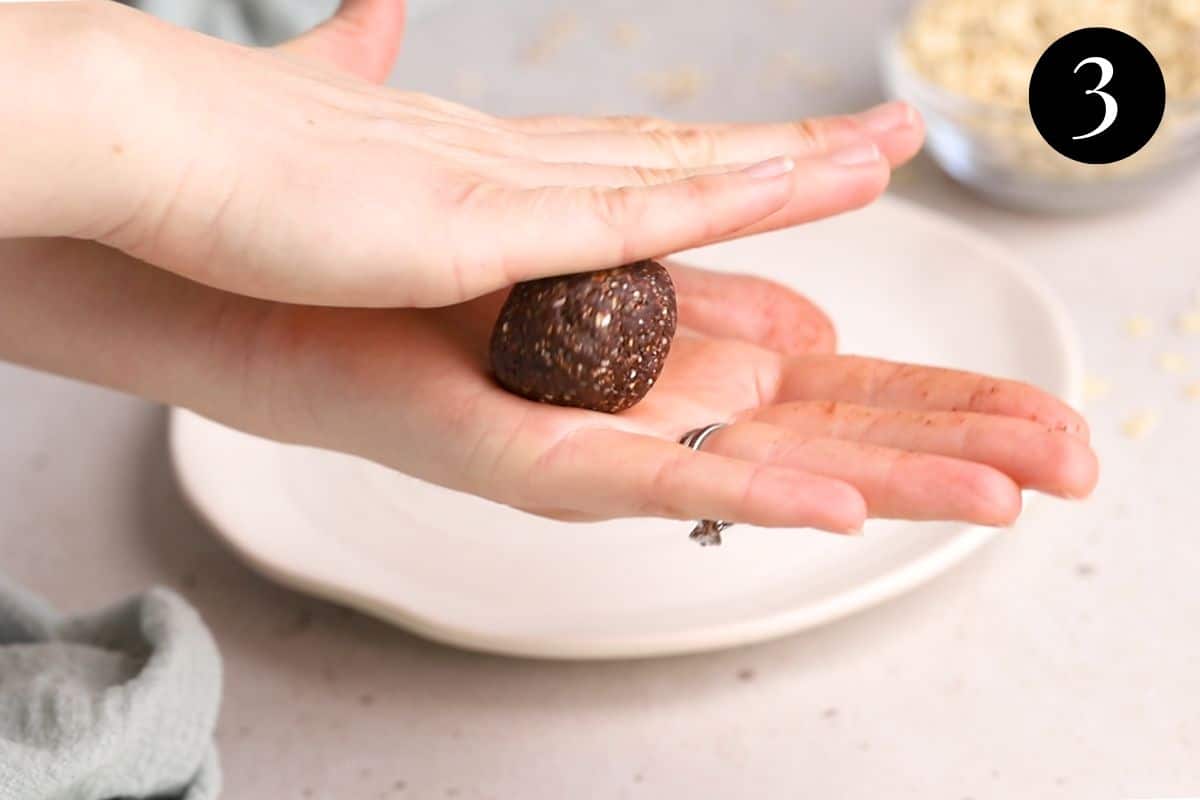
1062, 662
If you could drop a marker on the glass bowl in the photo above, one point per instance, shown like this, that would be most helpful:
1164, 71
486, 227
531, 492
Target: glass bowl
996, 150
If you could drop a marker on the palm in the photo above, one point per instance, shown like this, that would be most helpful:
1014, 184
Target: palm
707, 380
817, 435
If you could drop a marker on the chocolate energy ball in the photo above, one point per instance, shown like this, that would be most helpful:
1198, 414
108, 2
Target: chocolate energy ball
595, 340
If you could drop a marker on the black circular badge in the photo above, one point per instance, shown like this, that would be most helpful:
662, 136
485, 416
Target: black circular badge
1097, 95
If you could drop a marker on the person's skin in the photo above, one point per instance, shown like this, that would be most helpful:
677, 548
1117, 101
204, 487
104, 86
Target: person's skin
268, 173
341, 251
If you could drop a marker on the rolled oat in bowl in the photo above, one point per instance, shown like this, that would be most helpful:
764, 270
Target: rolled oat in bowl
967, 65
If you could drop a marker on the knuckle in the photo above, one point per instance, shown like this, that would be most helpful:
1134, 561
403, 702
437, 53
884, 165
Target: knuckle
647, 176
891, 376
875, 424
474, 266
994, 493
830, 129
686, 146
783, 449
983, 390
660, 491
811, 134
695, 201
471, 273
767, 377
467, 197
509, 146
695, 194
621, 210
833, 415
611, 206
902, 465
753, 487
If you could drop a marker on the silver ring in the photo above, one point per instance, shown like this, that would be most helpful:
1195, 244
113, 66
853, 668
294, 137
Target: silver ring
707, 531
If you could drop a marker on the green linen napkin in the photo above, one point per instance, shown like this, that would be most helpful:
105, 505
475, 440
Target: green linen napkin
117, 704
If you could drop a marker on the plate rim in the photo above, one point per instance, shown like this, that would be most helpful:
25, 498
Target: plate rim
705, 638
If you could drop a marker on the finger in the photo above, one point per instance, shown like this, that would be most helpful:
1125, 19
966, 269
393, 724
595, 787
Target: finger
624, 474
363, 37
1029, 453
533, 174
887, 384
566, 123
896, 484
896, 128
750, 309
526, 234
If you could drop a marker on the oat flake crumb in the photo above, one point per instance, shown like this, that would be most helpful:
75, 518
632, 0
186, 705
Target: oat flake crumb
1192, 391
1140, 425
790, 66
675, 86
1174, 363
550, 41
1138, 327
627, 35
1188, 322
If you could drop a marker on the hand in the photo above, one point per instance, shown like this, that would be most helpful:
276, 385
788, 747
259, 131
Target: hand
819, 440
272, 174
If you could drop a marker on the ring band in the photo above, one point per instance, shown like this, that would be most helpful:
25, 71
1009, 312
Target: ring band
707, 531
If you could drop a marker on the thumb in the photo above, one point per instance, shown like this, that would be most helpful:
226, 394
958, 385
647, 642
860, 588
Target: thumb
363, 37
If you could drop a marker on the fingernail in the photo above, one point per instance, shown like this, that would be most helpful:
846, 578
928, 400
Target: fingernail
856, 155
771, 168
887, 117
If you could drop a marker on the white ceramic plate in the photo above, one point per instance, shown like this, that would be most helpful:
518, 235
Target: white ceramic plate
899, 281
